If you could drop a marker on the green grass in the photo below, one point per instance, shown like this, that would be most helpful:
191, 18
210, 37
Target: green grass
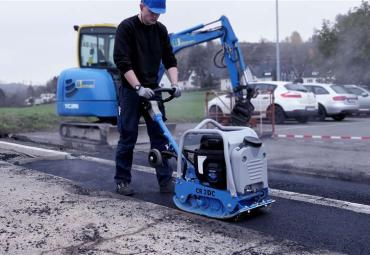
26, 119
13, 120
189, 107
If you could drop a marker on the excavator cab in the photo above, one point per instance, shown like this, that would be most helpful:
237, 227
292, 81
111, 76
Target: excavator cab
90, 89
95, 46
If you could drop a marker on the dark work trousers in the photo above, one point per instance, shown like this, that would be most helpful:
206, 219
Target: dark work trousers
131, 109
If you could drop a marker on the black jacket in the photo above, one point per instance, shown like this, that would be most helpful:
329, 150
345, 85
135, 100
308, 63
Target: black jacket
141, 48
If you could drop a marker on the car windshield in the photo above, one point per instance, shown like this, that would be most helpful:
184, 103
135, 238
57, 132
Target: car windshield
296, 87
339, 89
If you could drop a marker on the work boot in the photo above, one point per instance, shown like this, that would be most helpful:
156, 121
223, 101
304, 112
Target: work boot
169, 188
124, 188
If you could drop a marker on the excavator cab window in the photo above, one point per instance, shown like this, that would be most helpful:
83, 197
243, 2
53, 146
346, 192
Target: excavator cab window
96, 47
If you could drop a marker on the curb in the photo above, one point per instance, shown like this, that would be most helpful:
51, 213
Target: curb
34, 151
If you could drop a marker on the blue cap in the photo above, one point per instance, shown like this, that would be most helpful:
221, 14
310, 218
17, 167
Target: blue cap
156, 6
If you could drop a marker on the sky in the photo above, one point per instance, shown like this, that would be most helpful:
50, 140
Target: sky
38, 41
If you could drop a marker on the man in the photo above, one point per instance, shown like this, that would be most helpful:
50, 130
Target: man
141, 44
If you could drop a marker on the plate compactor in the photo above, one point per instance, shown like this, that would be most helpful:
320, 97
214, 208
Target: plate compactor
221, 170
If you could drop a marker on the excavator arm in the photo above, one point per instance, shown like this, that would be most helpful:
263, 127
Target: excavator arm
240, 74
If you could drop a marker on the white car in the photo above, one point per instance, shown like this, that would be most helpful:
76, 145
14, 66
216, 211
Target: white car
291, 101
363, 96
334, 101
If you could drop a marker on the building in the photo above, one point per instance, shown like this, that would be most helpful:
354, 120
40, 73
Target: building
165, 82
225, 84
185, 82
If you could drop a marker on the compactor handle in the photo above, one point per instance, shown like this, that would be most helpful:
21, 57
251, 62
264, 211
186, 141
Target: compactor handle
170, 91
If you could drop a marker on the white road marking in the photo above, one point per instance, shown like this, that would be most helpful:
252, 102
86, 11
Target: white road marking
323, 137
356, 138
355, 207
335, 137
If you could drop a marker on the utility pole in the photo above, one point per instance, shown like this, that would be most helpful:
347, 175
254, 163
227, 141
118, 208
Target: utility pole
277, 43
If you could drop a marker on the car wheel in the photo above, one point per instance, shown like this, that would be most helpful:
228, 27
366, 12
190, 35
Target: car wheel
321, 114
279, 114
339, 117
215, 112
302, 119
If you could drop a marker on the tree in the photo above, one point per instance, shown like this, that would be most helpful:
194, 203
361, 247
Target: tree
296, 39
295, 57
295, 61
343, 49
200, 58
210, 82
2, 98
51, 85
30, 91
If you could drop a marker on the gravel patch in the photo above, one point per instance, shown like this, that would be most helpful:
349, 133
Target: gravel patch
44, 214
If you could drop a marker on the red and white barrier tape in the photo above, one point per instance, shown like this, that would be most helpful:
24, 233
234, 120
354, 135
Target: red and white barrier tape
323, 137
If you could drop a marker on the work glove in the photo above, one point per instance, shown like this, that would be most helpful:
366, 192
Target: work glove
145, 92
177, 91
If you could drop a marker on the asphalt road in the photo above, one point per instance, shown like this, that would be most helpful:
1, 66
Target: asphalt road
297, 165
350, 126
313, 226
